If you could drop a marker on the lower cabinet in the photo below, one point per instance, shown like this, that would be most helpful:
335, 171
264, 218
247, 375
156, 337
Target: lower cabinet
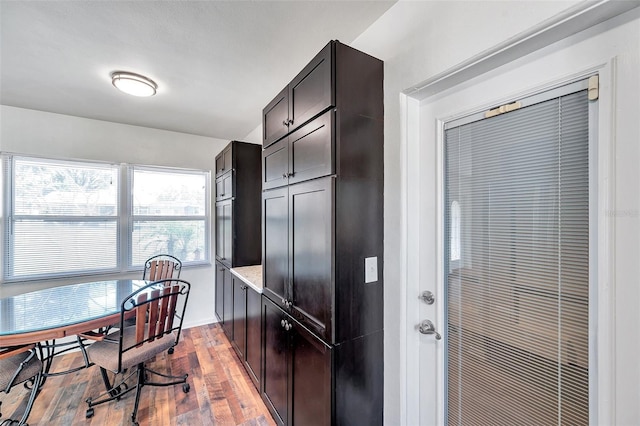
238, 307
254, 336
297, 370
219, 291
239, 323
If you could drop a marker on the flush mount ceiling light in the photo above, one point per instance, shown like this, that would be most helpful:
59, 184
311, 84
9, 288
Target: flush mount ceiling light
133, 84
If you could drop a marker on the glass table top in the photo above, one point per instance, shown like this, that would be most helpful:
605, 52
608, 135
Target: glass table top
63, 306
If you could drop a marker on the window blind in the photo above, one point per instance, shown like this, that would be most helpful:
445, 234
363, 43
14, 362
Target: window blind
517, 227
63, 218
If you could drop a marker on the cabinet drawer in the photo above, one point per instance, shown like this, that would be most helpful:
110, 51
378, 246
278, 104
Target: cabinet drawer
224, 186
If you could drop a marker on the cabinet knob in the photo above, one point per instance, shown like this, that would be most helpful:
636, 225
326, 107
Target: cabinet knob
285, 122
288, 326
283, 323
289, 122
285, 175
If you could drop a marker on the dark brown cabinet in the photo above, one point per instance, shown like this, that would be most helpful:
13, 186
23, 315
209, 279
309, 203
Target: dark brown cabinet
298, 271
322, 204
304, 154
239, 325
238, 230
219, 290
238, 211
297, 369
224, 297
253, 345
224, 161
224, 186
309, 93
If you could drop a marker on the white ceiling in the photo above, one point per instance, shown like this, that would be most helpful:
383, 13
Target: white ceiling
217, 63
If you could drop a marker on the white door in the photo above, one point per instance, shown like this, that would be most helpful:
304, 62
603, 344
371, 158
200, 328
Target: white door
511, 293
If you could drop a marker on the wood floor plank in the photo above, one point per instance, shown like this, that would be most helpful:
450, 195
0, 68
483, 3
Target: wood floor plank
221, 391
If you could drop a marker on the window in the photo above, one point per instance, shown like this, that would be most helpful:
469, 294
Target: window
69, 217
169, 214
63, 218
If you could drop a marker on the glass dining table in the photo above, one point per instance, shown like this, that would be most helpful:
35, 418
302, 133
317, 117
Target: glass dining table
58, 312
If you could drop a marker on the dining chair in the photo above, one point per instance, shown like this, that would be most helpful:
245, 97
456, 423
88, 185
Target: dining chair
20, 364
159, 309
161, 266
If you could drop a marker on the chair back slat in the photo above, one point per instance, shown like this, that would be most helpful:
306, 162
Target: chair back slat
172, 307
161, 267
153, 315
141, 317
164, 311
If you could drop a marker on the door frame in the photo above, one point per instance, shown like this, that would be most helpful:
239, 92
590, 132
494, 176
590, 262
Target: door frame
602, 236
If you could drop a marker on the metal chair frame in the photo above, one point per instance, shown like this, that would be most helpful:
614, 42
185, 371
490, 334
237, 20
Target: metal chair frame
161, 266
35, 381
157, 313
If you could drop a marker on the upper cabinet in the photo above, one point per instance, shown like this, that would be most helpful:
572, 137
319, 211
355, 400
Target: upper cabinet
224, 161
237, 221
309, 93
305, 154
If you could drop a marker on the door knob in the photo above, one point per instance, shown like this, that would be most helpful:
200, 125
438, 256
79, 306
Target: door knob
427, 297
427, 327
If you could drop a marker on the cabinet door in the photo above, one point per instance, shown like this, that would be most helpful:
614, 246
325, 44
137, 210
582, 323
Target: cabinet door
311, 379
311, 92
311, 149
219, 291
239, 316
224, 232
275, 118
311, 253
275, 165
275, 367
254, 335
224, 161
224, 186
275, 253
227, 309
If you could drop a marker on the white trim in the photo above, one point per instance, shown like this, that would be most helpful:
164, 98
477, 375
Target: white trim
602, 244
580, 17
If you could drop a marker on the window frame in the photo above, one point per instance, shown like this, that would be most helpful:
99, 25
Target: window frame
124, 217
131, 217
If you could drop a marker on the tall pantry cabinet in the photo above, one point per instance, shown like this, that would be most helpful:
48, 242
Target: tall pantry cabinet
238, 233
322, 203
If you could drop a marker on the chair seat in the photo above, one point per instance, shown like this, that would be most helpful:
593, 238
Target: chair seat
9, 366
105, 354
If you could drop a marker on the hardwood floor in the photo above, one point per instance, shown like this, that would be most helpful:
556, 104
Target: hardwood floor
221, 391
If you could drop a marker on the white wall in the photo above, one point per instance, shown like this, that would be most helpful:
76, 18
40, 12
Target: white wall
419, 40
38, 133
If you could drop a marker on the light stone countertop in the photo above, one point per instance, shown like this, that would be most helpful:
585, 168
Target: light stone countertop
250, 275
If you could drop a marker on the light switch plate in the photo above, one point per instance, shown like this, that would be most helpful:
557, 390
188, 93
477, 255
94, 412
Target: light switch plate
370, 270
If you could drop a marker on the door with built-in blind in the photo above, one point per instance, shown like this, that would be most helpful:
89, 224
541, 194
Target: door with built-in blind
515, 232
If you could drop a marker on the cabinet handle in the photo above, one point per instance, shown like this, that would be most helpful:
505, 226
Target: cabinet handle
290, 122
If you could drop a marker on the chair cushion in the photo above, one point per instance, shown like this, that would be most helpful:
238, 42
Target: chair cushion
105, 354
9, 366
